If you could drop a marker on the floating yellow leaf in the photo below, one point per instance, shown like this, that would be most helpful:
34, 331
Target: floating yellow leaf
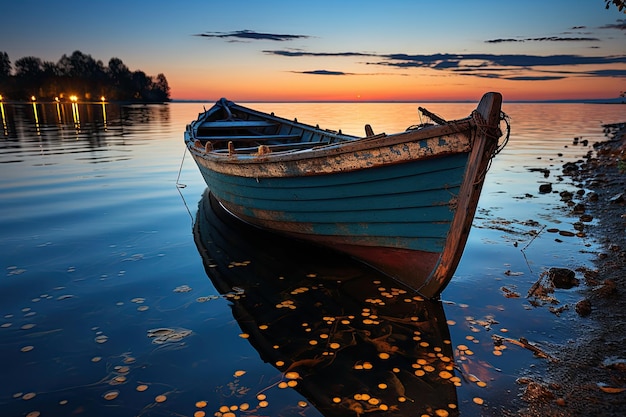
478, 400
237, 374
141, 388
160, 398
292, 375
201, 404
111, 395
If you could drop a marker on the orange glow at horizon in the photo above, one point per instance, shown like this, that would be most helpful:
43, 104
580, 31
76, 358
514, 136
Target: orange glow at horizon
346, 88
417, 85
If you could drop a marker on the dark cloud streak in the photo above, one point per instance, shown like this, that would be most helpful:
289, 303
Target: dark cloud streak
620, 25
294, 53
323, 72
251, 35
544, 39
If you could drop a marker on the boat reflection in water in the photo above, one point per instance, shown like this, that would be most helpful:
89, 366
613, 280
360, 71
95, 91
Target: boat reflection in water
349, 339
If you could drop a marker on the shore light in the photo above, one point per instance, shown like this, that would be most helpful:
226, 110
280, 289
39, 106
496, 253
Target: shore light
33, 98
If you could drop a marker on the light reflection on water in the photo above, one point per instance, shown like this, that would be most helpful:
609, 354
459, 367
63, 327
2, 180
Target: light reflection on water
97, 248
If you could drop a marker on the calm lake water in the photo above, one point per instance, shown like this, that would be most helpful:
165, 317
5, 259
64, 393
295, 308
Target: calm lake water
124, 294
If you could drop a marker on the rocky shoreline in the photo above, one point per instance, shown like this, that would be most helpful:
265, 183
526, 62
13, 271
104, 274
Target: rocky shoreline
588, 375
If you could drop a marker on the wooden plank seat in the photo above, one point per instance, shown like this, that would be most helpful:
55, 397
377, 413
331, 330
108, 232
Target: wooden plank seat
248, 138
236, 124
281, 147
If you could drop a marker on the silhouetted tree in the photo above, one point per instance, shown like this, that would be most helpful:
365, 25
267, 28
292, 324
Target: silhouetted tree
5, 65
28, 76
161, 89
79, 74
120, 79
5, 72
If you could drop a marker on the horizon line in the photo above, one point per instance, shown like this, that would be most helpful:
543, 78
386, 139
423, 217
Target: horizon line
615, 100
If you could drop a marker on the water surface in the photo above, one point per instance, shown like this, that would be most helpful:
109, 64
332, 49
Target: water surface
110, 305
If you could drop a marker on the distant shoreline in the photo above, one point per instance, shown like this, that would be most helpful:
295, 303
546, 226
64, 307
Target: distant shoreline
573, 101
124, 102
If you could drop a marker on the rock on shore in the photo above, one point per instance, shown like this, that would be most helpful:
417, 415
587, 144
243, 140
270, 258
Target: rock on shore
588, 377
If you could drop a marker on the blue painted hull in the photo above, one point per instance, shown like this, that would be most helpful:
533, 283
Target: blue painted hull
399, 206
402, 203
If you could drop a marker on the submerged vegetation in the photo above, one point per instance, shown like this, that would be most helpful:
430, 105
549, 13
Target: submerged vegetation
78, 75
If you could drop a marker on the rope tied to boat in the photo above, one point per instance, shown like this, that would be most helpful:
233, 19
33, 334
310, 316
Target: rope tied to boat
483, 128
488, 131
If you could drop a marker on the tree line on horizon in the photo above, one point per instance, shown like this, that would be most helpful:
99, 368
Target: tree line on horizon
78, 75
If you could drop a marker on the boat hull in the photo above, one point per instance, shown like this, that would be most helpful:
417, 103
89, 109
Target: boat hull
401, 203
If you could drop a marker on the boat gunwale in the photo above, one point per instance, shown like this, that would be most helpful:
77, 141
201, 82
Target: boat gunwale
357, 144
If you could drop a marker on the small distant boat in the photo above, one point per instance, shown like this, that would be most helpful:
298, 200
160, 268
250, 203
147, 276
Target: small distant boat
402, 203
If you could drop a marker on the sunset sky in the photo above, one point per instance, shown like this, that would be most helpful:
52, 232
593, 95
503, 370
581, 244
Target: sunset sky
339, 50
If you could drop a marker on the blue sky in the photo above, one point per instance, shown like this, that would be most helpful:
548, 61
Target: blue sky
339, 50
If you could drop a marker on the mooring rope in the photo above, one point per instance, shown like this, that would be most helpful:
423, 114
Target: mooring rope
485, 129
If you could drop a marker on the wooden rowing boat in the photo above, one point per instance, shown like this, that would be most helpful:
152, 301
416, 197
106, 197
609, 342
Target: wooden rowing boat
349, 339
402, 203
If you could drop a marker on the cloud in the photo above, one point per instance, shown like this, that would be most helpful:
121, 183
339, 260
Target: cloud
323, 72
544, 39
251, 35
439, 61
620, 25
609, 73
514, 67
298, 53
